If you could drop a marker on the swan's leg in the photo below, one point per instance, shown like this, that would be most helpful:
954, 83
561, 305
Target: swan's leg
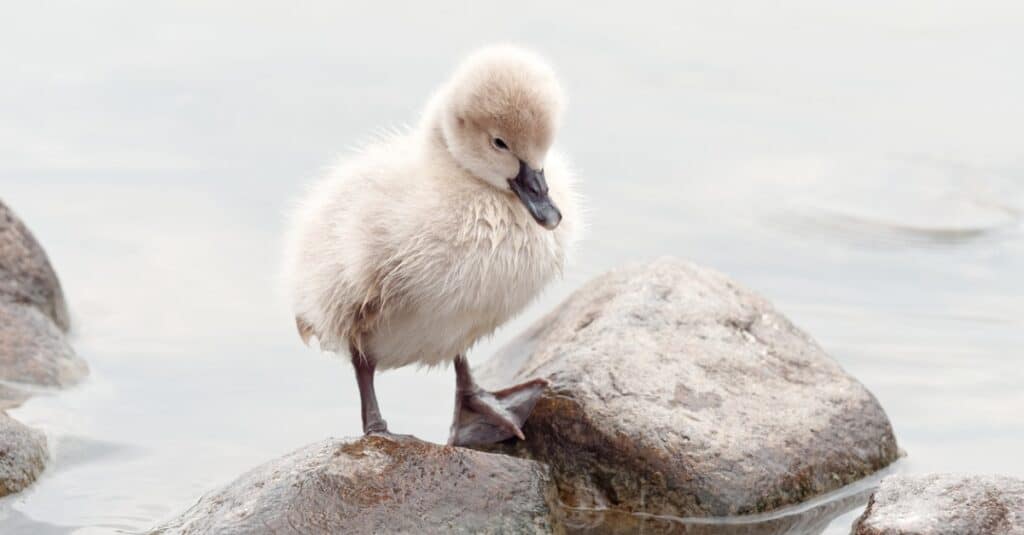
483, 417
365, 367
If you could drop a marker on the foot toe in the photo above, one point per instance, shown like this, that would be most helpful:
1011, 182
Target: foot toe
486, 418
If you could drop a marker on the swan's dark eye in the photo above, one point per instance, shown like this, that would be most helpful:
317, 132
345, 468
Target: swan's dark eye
499, 143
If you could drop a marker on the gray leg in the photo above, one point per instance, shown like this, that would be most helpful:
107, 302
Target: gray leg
365, 367
483, 417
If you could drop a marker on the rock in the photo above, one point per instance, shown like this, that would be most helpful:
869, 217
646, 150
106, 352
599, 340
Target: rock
676, 392
940, 504
33, 316
33, 350
23, 455
378, 485
25, 272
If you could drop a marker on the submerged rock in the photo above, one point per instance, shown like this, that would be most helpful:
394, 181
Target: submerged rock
941, 504
23, 455
378, 485
676, 392
12, 396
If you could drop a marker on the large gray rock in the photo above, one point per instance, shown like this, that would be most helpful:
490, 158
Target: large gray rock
25, 272
676, 392
23, 455
33, 316
378, 485
945, 504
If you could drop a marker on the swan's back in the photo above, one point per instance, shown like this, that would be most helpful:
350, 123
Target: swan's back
334, 234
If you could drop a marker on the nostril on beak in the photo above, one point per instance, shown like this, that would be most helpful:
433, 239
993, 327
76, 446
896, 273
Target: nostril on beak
538, 185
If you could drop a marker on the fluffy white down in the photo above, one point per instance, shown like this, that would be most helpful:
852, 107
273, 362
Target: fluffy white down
447, 257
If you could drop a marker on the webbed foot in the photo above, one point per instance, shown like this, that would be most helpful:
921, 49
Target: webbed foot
483, 417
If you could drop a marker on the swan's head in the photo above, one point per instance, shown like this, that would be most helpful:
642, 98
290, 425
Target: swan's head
498, 117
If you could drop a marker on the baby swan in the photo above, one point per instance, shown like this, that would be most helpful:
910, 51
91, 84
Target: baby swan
424, 242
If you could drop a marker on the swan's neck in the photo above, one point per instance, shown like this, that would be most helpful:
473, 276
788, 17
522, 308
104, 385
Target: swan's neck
431, 129
435, 149
435, 144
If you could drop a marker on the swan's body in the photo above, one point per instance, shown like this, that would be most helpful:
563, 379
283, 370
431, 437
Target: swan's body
400, 252
405, 254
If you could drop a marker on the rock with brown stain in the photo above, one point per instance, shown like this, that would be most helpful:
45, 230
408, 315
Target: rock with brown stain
23, 455
945, 504
378, 485
676, 392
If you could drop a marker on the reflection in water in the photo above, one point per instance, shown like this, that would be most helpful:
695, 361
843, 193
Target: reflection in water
809, 518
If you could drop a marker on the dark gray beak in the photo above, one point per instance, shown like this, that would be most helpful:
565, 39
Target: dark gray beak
531, 188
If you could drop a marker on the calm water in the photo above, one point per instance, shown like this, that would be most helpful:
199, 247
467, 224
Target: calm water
863, 169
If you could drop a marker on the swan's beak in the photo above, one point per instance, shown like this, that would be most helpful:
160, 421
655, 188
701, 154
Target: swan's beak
531, 188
